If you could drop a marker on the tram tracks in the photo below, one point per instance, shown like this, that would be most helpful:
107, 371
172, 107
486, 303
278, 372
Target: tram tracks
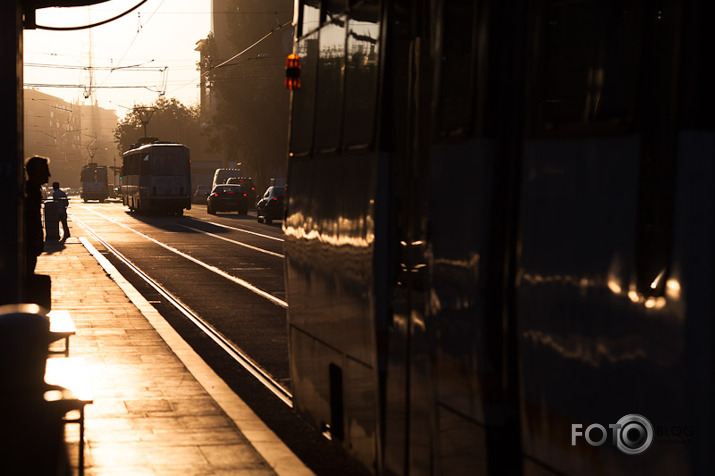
233, 351
214, 269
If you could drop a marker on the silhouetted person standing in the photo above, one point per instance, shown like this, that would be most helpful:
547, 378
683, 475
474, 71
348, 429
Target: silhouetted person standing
61, 197
38, 173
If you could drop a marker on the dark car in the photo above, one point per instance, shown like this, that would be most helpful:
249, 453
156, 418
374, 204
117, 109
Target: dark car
227, 198
271, 206
248, 187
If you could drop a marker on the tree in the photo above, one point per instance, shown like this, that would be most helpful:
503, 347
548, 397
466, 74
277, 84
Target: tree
243, 67
170, 122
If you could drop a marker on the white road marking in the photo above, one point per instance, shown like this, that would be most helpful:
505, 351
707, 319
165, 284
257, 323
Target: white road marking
255, 248
238, 229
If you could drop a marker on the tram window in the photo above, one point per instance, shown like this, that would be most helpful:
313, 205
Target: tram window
301, 136
589, 63
457, 75
361, 76
131, 165
331, 61
310, 16
167, 165
145, 165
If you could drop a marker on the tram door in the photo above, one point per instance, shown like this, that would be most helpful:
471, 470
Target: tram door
405, 414
596, 232
444, 385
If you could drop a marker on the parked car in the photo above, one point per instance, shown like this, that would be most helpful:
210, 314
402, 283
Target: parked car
272, 205
227, 198
248, 187
201, 194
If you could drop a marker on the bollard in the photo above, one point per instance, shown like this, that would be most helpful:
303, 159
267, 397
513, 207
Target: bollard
52, 221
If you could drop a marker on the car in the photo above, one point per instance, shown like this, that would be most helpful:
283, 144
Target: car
201, 194
271, 206
248, 187
227, 198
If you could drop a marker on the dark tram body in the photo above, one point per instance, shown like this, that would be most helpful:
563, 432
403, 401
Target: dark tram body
95, 184
156, 177
500, 226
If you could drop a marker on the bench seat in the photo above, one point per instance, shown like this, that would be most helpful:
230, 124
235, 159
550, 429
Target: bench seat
69, 389
61, 327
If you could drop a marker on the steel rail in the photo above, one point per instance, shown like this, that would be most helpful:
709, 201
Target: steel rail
232, 350
242, 282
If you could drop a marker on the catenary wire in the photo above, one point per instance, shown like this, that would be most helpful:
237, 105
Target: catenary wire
84, 27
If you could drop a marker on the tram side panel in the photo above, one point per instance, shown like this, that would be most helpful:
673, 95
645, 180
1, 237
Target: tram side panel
157, 177
329, 253
329, 245
694, 225
596, 193
470, 354
94, 182
609, 321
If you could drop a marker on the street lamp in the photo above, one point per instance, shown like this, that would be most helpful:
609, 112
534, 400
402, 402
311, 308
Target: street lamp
145, 113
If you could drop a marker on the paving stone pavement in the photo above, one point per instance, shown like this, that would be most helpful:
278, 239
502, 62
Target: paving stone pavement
150, 413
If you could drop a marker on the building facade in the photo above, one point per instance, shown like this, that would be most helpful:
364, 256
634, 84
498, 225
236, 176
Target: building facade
70, 134
247, 110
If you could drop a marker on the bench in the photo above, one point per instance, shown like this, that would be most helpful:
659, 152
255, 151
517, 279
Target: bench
69, 389
36, 410
61, 327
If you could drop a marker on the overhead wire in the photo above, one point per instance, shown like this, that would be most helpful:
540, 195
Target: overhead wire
84, 27
141, 27
131, 43
136, 67
237, 55
162, 91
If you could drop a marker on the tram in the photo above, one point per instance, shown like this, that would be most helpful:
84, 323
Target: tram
499, 234
95, 183
156, 177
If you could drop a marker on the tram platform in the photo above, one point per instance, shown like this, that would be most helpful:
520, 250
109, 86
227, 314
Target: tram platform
157, 408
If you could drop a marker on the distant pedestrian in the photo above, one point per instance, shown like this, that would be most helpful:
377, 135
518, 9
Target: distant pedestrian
38, 173
61, 197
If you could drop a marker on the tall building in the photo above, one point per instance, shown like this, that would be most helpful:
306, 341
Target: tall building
70, 134
248, 104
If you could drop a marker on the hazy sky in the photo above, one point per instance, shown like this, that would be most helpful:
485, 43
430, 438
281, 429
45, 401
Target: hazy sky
159, 34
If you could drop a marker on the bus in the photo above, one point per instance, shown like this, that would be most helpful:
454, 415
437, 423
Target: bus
499, 234
95, 185
156, 177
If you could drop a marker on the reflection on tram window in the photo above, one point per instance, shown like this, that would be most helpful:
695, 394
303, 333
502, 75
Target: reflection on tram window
589, 60
301, 137
457, 78
310, 16
361, 80
331, 64
334, 7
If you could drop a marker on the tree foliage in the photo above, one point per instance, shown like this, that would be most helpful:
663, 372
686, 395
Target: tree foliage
171, 121
248, 118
